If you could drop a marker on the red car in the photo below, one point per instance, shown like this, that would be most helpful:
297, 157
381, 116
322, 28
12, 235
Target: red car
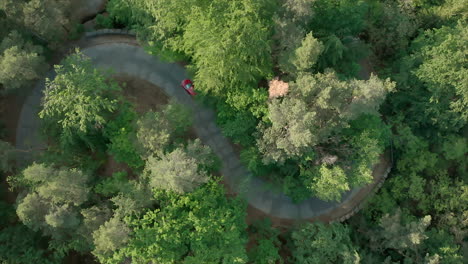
188, 87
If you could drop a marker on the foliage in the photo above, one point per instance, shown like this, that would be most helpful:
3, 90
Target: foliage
202, 226
328, 183
180, 170
20, 62
51, 205
342, 50
318, 243
156, 130
79, 100
47, 19
103, 21
59, 185
316, 107
443, 69
121, 132
18, 244
390, 28
93, 218
76, 31
113, 185
109, 237
133, 198
266, 249
307, 54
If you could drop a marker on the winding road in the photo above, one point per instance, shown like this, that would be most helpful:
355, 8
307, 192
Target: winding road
111, 49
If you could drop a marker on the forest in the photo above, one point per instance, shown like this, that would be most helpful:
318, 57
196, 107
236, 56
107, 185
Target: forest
309, 95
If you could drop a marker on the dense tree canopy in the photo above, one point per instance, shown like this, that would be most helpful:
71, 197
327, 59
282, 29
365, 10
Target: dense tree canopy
198, 227
20, 62
116, 186
79, 99
316, 107
317, 243
180, 170
47, 19
156, 130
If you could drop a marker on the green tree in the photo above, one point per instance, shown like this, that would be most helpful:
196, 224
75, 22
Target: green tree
444, 68
47, 19
202, 226
79, 99
319, 243
32, 210
20, 62
342, 48
52, 202
390, 28
110, 236
304, 57
267, 244
133, 199
180, 170
121, 132
403, 236
93, 218
156, 130
18, 245
316, 108
61, 186
308, 53
328, 183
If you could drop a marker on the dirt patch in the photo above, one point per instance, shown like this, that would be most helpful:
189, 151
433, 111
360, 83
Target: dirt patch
10, 110
366, 69
142, 94
111, 166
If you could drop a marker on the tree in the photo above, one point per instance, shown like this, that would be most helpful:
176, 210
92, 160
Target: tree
156, 130
133, 202
266, 249
180, 170
20, 245
47, 19
61, 186
79, 99
317, 107
443, 69
20, 62
301, 9
121, 132
304, 57
390, 28
328, 183
289, 134
202, 226
32, 210
93, 218
111, 236
52, 202
308, 53
342, 48
319, 243
404, 237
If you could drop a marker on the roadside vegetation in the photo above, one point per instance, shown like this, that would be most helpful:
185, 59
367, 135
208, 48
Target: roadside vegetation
311, 93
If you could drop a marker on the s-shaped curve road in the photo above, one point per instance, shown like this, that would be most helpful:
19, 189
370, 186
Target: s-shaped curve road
129, 58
